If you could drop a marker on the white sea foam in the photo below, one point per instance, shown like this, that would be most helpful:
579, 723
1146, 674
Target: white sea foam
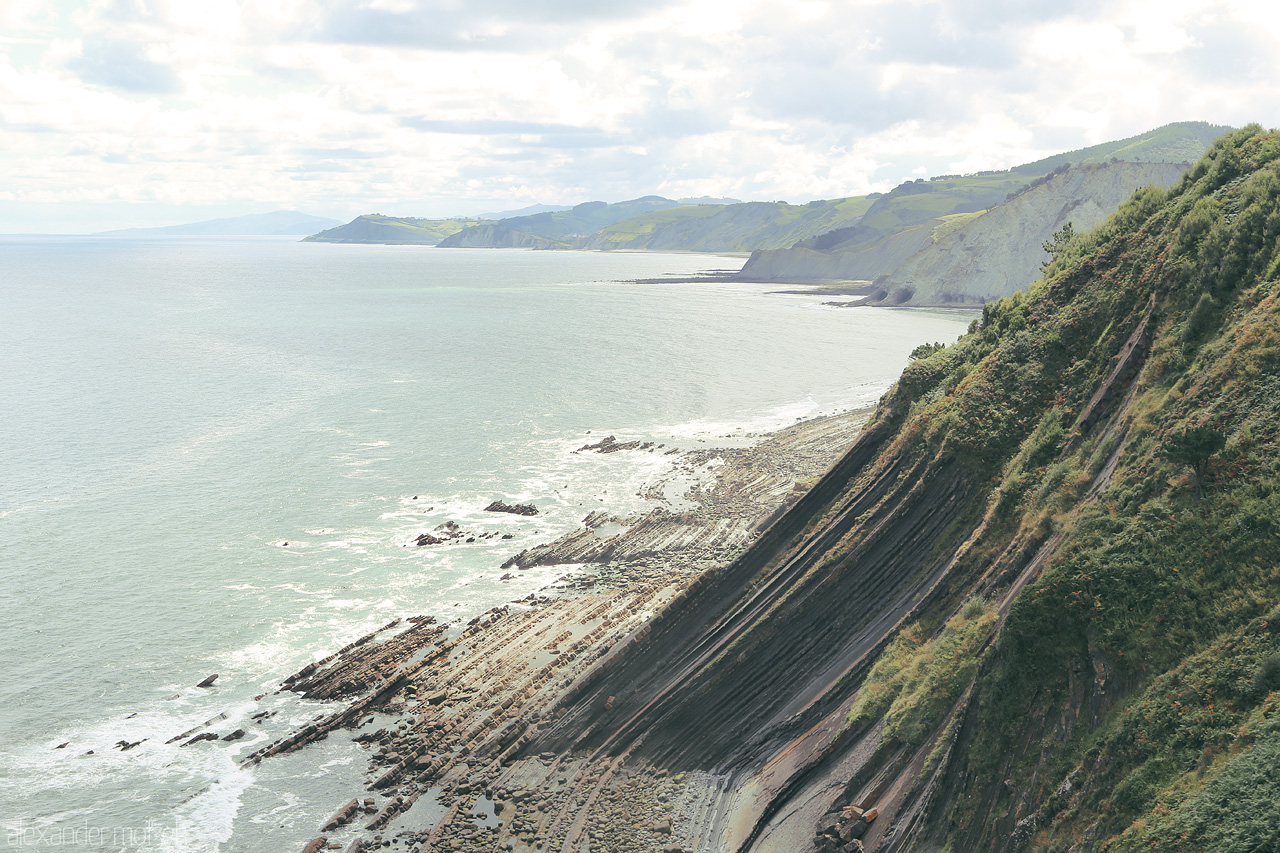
206, 822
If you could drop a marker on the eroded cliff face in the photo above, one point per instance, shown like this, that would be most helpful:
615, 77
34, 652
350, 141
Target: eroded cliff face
1005, 620
997, 254
985, 258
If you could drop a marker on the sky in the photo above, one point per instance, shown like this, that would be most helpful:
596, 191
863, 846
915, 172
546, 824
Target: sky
123, 113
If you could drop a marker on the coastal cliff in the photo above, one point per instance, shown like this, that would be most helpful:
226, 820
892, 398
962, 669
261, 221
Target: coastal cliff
971, 256
994, 255
971, 239
1035, 605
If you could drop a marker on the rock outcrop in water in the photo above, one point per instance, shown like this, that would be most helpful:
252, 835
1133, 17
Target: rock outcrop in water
514, 509
468, 702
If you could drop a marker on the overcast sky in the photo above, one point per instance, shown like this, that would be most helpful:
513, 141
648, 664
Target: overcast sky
117, 113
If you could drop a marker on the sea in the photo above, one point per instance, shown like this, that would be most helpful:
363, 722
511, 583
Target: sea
216, 454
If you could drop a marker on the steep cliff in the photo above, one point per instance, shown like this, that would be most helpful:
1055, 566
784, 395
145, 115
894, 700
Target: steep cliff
1035, 605
992, 256
896, 226
801, 263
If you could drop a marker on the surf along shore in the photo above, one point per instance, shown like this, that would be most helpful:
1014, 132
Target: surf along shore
446, 712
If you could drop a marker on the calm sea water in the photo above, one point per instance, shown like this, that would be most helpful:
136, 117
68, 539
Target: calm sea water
175, 411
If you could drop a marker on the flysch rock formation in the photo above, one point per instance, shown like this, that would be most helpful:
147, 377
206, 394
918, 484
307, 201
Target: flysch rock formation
466, 704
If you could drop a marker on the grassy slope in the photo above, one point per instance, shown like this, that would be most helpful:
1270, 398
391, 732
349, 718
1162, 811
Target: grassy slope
915, 203
730, 228
627, 233
953, 222
1180, 142
586, 218
1129, 701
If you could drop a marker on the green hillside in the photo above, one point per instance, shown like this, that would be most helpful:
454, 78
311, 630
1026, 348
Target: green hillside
376, 228
729, 228
873, 246
861, 222
561, 228
1180, 142
915, 203
1037, 605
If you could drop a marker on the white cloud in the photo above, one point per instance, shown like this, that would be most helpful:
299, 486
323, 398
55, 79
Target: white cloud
440, 106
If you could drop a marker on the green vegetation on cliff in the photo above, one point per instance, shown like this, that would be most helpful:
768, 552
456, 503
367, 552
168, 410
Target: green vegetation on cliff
919, 252
1129, 700
557, 229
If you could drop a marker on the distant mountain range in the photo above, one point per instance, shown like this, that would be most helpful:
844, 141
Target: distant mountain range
524, 211
649, 223
280, 222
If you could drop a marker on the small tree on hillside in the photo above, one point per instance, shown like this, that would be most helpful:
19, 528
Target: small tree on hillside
1055, 244
1195, 446
926, 350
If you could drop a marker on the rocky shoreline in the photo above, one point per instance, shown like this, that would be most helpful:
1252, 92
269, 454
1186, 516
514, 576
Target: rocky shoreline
447, 715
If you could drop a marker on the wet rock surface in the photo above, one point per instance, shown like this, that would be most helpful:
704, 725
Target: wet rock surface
610, 444
514, 509
711, 506
451, 533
